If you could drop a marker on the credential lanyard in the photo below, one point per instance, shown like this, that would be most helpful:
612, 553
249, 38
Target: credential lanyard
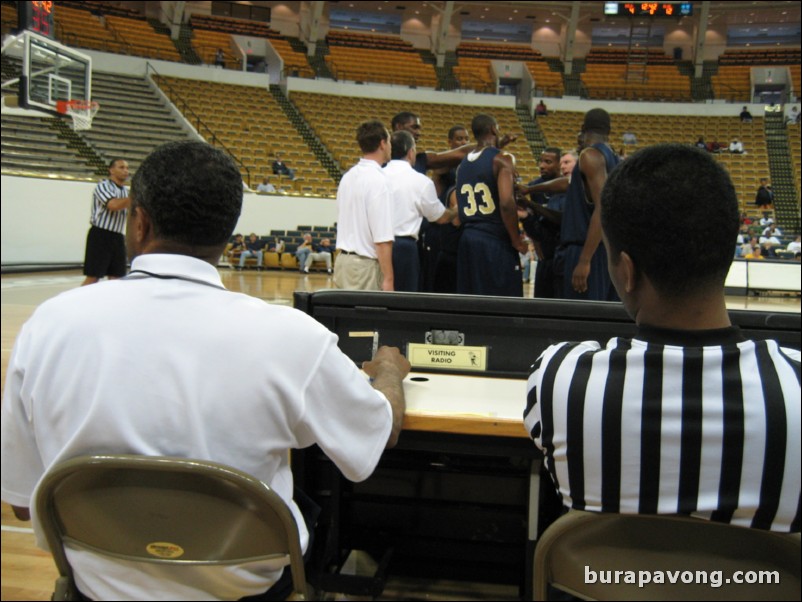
174, 277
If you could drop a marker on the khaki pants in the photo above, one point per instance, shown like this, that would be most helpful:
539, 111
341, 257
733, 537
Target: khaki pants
357, 273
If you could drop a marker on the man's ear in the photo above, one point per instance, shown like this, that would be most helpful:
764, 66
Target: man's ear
143, 226
628, 272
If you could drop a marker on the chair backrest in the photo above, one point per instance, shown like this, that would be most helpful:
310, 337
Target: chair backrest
696, 559
166, 510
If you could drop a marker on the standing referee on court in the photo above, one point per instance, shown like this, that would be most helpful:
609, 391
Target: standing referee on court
105, 243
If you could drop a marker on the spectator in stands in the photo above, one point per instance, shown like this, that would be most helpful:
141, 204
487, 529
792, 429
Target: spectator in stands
701, 144
746, 116
136, 367
764, 197
365, 216
541, 110
277, 246
254, 248
714, 147
630, 138
220, 58
736, 147
322, 252
771, 231
793, 116
236, 248
266, 186
796, 246
280, 168
303, 250
648, 406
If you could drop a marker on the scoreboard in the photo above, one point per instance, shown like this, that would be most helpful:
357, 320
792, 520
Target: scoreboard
36, 17
648, 9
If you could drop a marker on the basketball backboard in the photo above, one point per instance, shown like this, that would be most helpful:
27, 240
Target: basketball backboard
51, 72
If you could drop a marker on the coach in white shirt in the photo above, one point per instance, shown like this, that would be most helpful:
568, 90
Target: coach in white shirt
414, 197
365, 216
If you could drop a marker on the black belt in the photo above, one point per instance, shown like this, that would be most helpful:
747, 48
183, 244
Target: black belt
405, 238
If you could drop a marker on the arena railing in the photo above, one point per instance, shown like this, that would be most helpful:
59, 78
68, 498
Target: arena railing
195, 120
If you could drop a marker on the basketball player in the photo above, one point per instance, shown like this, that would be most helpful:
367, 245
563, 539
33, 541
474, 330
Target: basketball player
487, 260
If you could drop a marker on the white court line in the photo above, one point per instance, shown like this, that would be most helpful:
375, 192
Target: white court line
11, 529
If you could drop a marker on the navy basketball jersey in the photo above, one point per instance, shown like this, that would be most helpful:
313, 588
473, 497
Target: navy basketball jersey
577, 209
477, 193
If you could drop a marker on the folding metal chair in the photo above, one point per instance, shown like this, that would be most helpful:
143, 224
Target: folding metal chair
581, 552
164, 510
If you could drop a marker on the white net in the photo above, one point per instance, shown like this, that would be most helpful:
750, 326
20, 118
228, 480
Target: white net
82, 113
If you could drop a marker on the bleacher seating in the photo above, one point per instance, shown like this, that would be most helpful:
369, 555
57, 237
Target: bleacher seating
335, 119
793, 131
213, 32
83, 29
250, 123
132, 121
230, 25
378, 59
620, 56
754, 57
142, 40
613, 73
561, 127
733, 80
473, 69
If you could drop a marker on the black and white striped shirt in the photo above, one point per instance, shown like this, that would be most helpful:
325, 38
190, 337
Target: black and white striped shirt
101, 216
670, 422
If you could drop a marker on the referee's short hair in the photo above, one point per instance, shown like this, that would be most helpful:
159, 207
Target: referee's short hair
673, 209
114, 161
191, 191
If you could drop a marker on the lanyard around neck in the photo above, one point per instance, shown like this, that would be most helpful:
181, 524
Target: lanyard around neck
174, 277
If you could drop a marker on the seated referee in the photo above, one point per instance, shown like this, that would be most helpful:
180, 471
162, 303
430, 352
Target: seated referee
688, 417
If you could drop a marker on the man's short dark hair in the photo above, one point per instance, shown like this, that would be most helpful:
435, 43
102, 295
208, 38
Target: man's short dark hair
114, 161
192, 192
452, 133
402, 119
369, 135
401, 141
552, 150
482, 125
674, 210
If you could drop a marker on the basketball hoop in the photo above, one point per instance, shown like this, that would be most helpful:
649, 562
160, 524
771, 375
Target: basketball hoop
81, 111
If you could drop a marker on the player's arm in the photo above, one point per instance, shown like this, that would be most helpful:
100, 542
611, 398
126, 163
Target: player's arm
593, 168
384, 252
387, 370
504, 166
555, 186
